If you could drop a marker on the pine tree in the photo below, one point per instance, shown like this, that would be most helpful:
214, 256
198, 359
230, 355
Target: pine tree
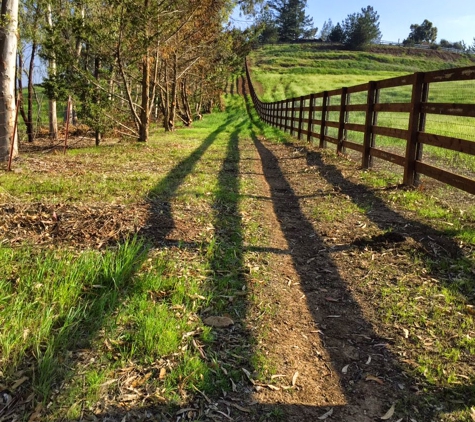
291, 21
361, 29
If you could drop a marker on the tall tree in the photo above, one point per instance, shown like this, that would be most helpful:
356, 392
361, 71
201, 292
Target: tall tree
8, 51
361, 29
121, 62
30, 17
426, 32
337, 34
291, 21
327, 29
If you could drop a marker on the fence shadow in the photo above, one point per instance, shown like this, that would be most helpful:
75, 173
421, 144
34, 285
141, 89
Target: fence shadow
227, 272
306, 244
349, 340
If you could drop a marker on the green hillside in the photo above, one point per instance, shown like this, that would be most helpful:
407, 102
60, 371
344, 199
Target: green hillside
289, 70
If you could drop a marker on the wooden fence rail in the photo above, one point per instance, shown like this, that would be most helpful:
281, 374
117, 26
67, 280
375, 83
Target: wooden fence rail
312, 116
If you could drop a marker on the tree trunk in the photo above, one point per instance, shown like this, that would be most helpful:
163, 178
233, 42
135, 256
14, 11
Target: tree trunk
172, 113
8, 50
187, 116
31, 93
52, 113
145, 103
97, 73
27, 114
19, 93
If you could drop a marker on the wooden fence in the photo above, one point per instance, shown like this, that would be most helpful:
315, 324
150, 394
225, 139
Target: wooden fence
309, 117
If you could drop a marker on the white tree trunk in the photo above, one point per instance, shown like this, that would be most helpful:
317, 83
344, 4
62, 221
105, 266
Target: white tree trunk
52, 113
8, 50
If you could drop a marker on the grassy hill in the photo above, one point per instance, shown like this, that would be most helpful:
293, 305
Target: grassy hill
290, 70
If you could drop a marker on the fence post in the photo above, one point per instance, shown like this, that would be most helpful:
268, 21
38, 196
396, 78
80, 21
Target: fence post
282, 117
342, 120
412, 147
299, 134
323, 129
369, 137
421, 128
310, 118
292, 118
288, 126
14, 135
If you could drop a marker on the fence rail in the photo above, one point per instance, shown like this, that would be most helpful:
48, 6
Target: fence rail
324, 117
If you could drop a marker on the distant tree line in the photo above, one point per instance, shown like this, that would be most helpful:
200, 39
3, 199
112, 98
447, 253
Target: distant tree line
286, 21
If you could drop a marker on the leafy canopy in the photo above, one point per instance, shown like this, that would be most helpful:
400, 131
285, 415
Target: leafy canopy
425, 32
361, 29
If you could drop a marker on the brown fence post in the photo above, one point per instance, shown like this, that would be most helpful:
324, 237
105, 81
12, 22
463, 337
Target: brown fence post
342, 120
281, 115
421, 128
412, 148
369, 137
288, 126
323, 129
292, 118
299, 134
310, 117
68, 111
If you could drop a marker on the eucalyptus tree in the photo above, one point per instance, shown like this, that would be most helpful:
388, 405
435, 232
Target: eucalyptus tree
193, 50
119, 59
30, 17
8, 51
425, 32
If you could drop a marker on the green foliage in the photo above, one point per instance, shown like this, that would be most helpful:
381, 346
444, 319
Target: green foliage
459, 45
326, 30
361, 29
291, 21
337, 34
425, 32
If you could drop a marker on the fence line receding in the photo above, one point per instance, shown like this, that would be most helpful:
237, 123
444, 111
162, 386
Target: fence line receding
400, 108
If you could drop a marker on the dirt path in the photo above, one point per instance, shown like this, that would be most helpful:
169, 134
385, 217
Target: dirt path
319, 341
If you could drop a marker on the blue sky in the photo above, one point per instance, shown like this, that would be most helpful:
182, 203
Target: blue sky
455, 19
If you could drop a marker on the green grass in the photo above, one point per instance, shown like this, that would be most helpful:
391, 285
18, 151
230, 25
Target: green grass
134, 304
76, 320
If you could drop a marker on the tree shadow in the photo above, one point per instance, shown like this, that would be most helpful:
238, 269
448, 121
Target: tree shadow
348, 339
226, 278
100, 303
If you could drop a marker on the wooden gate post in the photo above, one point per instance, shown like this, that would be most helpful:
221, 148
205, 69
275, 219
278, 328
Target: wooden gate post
323, 129
292, 118
412, 148
341, 127
310, 118
299, 133
369, 137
